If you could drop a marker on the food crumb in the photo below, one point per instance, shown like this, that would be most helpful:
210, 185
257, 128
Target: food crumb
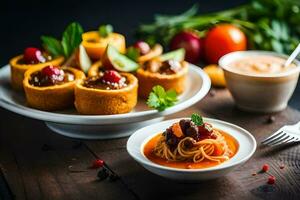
270, 119
254, 174
281, 166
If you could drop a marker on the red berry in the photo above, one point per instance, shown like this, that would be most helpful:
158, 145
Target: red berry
51, 71
265, 168
142, 46
97, 163
271, 180
33, 55
111, 76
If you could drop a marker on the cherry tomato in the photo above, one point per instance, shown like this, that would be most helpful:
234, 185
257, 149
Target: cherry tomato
223, 39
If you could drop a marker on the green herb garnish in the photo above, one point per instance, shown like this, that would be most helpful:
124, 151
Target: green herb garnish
133, 53
105, 30
197, 119
161, 99
71, 39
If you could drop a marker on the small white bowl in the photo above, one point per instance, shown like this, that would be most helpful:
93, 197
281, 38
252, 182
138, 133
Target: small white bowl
259, 93
247, 146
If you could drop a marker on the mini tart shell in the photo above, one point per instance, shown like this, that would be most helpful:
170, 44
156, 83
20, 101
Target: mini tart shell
51, 98
94, 69
96, 49
18, 70
92, 101
147, 80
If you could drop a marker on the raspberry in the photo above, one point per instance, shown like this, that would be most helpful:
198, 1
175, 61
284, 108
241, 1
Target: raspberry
265, 168
51, 71
33, 55
97, 163
111, 76
271, 180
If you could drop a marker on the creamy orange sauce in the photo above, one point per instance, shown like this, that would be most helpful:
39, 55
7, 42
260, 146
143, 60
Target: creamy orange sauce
260, 65
150, 145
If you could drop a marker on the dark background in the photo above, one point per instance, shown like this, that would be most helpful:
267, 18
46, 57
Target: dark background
23, 21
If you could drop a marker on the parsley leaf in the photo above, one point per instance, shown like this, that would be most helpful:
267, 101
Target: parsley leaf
71, 39
197, 119
52, 45
161, 99
105, 30
132, 53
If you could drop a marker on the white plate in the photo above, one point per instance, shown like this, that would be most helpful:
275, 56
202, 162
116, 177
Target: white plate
70, 123
247, 146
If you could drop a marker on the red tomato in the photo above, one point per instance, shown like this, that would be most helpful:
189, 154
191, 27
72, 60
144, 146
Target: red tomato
223, 39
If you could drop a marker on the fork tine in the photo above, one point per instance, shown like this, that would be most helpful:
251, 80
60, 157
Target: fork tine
291, 139
273, 136
279, 141
276, 138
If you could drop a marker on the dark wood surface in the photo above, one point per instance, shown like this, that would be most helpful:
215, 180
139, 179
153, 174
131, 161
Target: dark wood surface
35, 162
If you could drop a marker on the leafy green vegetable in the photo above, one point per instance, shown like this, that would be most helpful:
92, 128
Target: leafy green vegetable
197, 119
105, 30
161, 99
133, 53
268, 24
71, 39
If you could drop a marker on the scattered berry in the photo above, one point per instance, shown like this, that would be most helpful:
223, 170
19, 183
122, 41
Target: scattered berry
97, 163
111, 76
103, 174
33, 55
51, 71
271, 180
265, 168
142, 46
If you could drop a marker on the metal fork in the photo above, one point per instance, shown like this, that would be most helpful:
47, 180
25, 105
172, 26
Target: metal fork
286, 134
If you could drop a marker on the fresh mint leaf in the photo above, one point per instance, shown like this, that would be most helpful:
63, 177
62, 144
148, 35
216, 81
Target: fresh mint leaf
161, 99
105, 30
52, 45
197, 119
71, 38
132, 53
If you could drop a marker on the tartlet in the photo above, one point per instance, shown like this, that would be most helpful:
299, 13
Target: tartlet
18, 69
50, 97
148, 79
95, 45
106, 101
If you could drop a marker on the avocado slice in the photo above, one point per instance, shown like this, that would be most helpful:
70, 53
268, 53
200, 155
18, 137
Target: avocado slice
177, 54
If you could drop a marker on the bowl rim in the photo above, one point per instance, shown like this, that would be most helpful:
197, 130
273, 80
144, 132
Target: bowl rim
227, 58
149, 163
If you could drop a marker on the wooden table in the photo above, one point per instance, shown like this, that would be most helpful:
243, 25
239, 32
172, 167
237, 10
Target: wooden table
35, 162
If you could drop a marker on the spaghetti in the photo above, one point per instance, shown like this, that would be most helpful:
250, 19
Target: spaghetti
188, 149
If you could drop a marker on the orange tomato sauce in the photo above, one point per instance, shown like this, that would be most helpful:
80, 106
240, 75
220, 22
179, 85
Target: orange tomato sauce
150, 145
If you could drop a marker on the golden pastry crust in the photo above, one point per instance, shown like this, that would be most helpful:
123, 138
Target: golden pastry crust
147, 80
18, 70
94, 69
91, 101
51, 98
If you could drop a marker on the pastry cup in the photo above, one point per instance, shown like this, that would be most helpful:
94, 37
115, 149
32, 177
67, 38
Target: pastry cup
18, 70
147, 80
94, 69
51, 98
91, 101
96, 49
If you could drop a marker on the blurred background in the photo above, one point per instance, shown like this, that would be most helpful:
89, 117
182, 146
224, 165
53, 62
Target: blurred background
23, 22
